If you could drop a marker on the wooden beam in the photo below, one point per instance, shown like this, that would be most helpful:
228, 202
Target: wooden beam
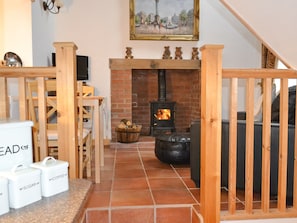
123, 64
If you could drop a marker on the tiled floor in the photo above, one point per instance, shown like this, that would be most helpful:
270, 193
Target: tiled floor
136, 187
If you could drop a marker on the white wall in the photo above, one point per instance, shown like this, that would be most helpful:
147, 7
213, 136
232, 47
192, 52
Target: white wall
100, 29
107, 34
274, 22
16, 33
16, 29
43, 32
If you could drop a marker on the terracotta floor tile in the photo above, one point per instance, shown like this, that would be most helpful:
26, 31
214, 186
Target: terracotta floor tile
108, 163
107, 174
123, 173
125, 147
189, 182
147, 147
127, 153
195, 217
127, 158
160, 173
131, 198
184, 172
145, 154
108, 152
128, 166
97, 216
196, 194
173, 197
166, 183
128, 215
173, 215
130, 184
128, 172
196, 207
154, 163
99, 199
146, 139
105, 185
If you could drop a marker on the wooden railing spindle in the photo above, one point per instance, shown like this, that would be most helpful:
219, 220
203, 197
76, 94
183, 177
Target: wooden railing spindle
232, 146
283, 145
266, 135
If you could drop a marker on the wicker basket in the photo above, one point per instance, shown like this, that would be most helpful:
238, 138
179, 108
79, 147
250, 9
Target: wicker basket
128, 135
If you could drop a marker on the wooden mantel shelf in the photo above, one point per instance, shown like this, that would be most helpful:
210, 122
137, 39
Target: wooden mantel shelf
128, 64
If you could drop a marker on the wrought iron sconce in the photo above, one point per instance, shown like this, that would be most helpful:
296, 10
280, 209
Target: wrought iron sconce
53, 6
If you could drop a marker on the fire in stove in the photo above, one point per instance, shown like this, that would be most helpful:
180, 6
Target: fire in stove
163, 114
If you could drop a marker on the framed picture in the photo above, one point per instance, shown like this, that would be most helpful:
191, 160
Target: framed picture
164, 20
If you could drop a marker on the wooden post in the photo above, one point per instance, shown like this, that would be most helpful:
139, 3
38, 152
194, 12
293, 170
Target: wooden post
23, 110
211, 123
4, 103
67, 105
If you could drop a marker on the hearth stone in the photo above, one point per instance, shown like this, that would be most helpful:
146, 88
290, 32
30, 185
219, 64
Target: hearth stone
173, 148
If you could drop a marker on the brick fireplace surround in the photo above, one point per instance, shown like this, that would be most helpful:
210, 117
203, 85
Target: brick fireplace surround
134, 84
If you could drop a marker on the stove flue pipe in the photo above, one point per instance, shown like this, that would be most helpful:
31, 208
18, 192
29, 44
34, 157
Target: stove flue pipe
161, 85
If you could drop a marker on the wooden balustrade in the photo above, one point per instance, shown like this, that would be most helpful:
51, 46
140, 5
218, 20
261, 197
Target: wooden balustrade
65, 74
211, 121
211, 101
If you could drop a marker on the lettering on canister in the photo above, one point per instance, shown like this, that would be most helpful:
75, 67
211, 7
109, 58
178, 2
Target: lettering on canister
12, 149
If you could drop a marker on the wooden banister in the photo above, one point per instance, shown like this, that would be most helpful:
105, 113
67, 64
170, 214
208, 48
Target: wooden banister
66, 95
210, 148
211, 91
233, 149
4, 103
65, 73
266, 135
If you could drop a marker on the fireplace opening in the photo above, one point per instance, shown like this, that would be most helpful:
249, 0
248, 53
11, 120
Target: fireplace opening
162, 111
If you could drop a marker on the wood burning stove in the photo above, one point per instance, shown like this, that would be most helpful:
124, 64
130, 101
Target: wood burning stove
162, 111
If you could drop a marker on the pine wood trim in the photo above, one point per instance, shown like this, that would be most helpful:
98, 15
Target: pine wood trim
123, 64
211, 91
232, 145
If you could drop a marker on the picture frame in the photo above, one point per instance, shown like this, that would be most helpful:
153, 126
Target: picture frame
164, 20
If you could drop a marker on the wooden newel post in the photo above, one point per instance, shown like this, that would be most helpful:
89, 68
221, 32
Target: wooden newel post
4, 102
211, 106
67, 105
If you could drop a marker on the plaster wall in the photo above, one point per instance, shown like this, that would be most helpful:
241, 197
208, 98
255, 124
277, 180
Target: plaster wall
273, 22
16, 35
16, 29
100, 29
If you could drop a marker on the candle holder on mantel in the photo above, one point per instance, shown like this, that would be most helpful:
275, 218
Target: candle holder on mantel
166, 54
178, 53
195, 53
129, 53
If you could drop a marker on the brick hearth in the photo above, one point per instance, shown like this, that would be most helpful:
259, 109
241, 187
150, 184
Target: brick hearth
134, 83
